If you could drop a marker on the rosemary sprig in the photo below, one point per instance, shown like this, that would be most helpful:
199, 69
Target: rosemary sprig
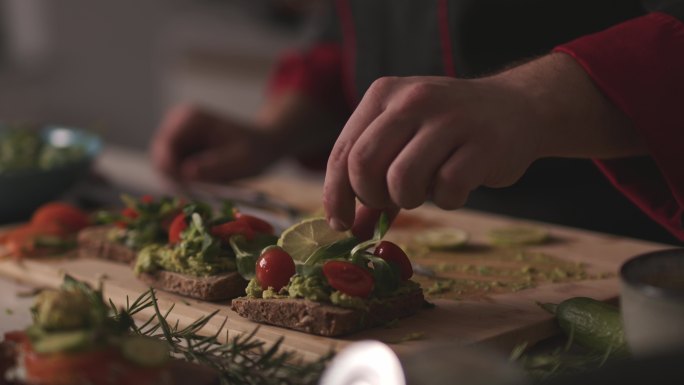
242, 359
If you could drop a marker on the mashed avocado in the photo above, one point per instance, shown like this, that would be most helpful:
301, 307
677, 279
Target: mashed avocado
340, 299
177, 259
62, 310
198, 254
313, 288
253, 289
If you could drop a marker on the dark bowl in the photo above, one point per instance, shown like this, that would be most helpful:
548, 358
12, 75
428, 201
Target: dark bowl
23, 191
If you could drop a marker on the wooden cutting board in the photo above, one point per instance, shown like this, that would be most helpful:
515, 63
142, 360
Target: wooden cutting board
499, 320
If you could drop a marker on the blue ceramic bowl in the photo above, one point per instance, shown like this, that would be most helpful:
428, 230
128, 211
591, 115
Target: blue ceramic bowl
21, 192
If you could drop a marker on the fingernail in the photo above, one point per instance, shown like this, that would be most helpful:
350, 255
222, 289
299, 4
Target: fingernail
337, 224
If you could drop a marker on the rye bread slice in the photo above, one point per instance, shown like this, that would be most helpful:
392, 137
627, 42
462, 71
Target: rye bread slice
326, 319
217, 287
94, 242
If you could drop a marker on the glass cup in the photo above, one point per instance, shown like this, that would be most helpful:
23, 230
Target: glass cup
652, 301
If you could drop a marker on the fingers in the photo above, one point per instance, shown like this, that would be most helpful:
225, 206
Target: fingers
228, 162
338, 195
411, 175
372, 155
457, 177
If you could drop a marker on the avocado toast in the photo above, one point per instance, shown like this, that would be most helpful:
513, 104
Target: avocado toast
200, 259
323, 282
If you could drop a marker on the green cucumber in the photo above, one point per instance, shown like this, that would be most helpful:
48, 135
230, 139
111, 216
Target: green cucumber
592, 324
63, 341
145, 351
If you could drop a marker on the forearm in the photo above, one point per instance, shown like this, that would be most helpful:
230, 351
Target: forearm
570, 114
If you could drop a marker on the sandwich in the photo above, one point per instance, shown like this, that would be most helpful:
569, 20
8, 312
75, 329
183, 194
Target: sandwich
203, 258
76, 338
328, 283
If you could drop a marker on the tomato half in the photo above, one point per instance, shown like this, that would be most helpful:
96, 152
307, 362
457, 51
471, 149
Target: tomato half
177, 226
228, 229
392, 253
99, 367
348, 278
71, 218
274, 268
257, 224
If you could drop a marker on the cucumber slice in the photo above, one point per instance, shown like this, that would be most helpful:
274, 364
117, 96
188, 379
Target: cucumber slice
442, 238
145, 351
63, 342
518, 235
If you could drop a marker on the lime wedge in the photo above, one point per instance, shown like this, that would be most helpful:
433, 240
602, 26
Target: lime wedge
302, 239
518, 235
441, 238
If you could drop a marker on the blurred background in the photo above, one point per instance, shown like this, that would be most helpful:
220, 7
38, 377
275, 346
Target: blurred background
115, 66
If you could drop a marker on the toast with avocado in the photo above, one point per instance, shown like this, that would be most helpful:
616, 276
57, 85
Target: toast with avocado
179, 246
204, 255
324, 282
143, 221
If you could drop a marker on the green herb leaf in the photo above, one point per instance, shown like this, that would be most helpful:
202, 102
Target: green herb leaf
337, 249
381, 229
308, 270
247, 252
387, 276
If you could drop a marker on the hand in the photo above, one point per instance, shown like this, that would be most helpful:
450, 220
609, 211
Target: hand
414, 138
196, 145
418, 138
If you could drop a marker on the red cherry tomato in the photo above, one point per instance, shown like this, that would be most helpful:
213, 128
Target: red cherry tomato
97, 367
257, 224
177, 226
71, 218
228, 229
394, 254
274, 268
348, 278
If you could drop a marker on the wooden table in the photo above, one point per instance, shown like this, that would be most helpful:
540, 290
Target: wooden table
500, 320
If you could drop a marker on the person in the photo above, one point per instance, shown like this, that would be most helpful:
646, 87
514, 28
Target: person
444, 100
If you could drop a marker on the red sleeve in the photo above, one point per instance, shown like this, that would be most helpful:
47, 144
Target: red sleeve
316, 72
639, 65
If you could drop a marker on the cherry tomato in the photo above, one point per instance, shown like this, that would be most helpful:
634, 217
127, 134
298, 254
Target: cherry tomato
98, 367
274, 268
16, 336
177, 226
257, 224
129, 214
348, 278
71, 218
22, 241
394, 254
228, 229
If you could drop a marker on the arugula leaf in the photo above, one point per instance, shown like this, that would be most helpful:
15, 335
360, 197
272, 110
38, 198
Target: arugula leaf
387, 276
337, 249
381, 229
247, 252
309, 270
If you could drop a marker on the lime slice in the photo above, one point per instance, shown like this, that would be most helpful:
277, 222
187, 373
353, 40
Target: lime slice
442, 238
305, 237
518, 235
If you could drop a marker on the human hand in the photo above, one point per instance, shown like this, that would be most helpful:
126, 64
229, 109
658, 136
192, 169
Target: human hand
416, 138
411, 139
193, 144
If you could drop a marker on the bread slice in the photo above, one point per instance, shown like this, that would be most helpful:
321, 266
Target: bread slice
217, 287
94, 242
326, 319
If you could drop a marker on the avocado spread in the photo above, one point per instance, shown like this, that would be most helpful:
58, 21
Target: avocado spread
62, 310
182, 260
